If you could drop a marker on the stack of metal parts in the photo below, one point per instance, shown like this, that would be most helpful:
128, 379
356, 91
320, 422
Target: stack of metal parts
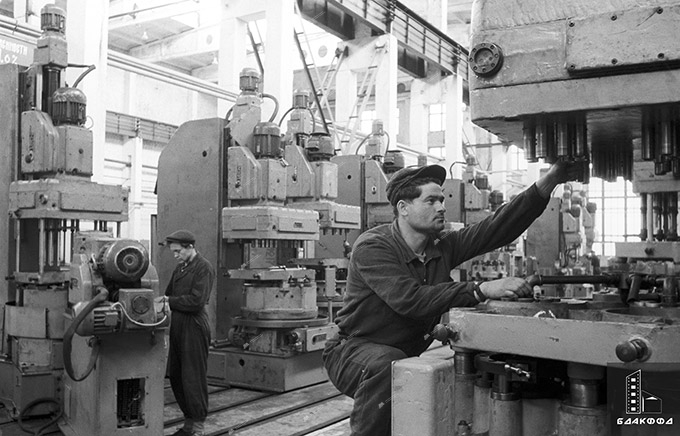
591, 83
51, 200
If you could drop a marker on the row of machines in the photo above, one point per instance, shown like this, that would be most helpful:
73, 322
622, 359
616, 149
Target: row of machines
83, 338
268, 213
592, 83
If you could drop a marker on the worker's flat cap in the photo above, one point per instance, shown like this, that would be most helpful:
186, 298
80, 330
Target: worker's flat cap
405, 176
181, 237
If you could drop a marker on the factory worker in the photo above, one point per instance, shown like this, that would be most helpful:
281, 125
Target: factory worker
187, 293
398, 283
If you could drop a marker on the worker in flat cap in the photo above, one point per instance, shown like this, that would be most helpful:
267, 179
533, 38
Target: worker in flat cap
399, 284
188, 292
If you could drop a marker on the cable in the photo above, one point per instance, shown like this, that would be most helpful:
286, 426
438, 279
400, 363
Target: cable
82, 76
362, 143
68, 337
276, 106
140, 324
451, 167
31, 405
286, 113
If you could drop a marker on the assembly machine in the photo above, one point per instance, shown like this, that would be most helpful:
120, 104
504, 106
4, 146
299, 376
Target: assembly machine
74, 293
595, 84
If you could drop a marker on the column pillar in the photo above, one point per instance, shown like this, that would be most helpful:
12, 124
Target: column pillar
453, 95
232, 56
386, 88
87, 37
134, 149
280, 46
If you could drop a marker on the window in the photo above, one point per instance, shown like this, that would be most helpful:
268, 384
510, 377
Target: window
437, 151
617, 218
367, 118
437, 117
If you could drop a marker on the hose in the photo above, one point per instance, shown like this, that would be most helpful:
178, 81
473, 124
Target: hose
30, 406
284, 115
82, 76
68, 337
276, 106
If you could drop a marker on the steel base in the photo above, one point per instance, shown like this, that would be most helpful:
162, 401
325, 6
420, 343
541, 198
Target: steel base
232, 366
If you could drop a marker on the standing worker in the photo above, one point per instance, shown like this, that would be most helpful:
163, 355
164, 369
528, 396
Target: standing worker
399, 284
187, 293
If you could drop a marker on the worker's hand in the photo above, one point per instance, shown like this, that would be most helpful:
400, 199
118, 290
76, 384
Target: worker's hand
509, 287
559, 172
161, 300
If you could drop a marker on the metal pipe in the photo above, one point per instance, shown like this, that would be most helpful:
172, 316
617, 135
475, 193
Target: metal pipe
672, 211
538, 280
134, 65
529, 132
41, 246
643, 216
664, 132
650, 219
541, 137
581, 137
647, 140
562, 146
657, 218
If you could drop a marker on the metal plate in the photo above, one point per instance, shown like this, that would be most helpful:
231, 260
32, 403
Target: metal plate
645, 37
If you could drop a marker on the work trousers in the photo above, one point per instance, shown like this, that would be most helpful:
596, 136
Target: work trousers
363, 370
188, 363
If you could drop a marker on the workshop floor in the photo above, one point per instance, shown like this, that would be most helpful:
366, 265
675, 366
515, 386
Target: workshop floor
318, 410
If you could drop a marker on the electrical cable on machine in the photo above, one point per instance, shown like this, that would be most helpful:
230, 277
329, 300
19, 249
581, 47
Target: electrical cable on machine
101, 297
39, 431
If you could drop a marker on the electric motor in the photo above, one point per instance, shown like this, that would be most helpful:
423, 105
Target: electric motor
53, 18
123, 261
69, 106
249, 80
266, 140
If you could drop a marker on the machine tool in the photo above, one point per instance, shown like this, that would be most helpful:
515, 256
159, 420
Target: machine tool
265, 204
121, 334
592, 83
64, 260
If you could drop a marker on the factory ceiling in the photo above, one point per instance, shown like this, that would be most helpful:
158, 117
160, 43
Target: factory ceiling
184, 35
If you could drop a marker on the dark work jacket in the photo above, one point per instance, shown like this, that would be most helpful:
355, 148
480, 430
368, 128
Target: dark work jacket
190, 285
392, 298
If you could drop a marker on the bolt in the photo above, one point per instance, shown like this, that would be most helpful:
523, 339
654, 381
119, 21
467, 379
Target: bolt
660, 56
614, 17
659, 10
614, 61
571, 24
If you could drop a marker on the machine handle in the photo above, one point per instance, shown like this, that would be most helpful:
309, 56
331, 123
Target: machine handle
633, 349
445, 333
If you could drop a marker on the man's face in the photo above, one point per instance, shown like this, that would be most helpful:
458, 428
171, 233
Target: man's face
181, 254
426, 213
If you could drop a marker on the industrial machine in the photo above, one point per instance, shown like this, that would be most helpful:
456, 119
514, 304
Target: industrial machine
64, 263
121, 335
560, 242
591, 83
265, 203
